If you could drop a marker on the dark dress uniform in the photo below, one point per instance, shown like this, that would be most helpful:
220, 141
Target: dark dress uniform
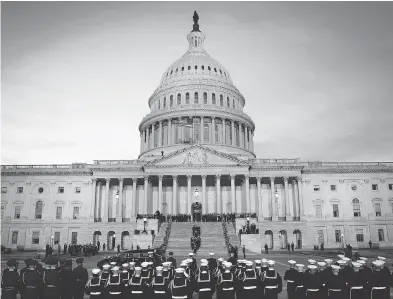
138, 287
159, 287
226, 286
357, 285
80, 277
31, 284
212, 263
94, 288
173, 261
239, 282
125, 276
180, 288
10, 281
204, 284
104, 277
249, 282
271, 284
114, 287
66, 280
379, 285
336, 287
51, 288
313, 286
289, 277
300, 290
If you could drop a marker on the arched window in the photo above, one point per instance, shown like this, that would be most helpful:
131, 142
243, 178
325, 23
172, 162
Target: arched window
209, 68
164, 102
38, 210
205, 98
356, 207
171, 101
221, 100
187, 98
233, 104
196, 67
177, 70
228, 104
215, 70
196, 98
203, 67
213, 99
195, 43
189, 67
179, 99
182, 68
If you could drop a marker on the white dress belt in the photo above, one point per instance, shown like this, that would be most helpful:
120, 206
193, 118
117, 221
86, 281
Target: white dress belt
179, 297
159, 292
228, 289
379, 288
290, 281
136, 292
271, 287
312, 290
95, 293
205, 290
250, 288
357, 288
335, 290
114, 293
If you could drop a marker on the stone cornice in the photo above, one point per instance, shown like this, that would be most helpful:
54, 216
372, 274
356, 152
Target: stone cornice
46, 173
347, 170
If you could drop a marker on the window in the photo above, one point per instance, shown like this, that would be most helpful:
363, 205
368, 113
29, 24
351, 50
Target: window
390, 186
203, 67
57, 237
196, 67
228, 103
40, 190
213, 98
215, 70
35, 239
38, 210
377, 207
317, 188
60, 190
171, 101
3, 190
359, 235
205, 98
164, 103
318, 211
2, 211
17, 212
206, 130
320, 236
337, 234
220, 72
75, 213
171, 72
333, 188
221, 100
182, 68
14, 237
59, 212
196, 98
374, 187
187, 98
74, 238
209, 68
391, 205
77, 189
381, 236
179, 99
189, 67
335, 210
356, 207
19, 190
233, 103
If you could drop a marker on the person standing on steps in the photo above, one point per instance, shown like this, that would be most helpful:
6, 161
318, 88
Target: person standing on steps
266, 249
292, 246
244, 251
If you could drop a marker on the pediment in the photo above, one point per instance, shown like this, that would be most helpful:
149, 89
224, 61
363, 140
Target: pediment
196, 156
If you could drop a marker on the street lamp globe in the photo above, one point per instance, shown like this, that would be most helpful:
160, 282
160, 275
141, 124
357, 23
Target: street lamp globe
276, 194
117, 194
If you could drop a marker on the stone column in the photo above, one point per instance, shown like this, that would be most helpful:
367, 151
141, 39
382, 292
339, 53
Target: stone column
295, 200
259, 192
106, 201
141, 145
188, 210
248, 201
233, 133
213, 131
233, 193
204, 207
273, 198
287, 200
170, 132
252, 141
152, 135
144, 139
134, 185
93, 198
120, 209
159, 205
174, 195
218, 192
241, 137
223, 131
202, 135
145, 189
300, 197
246, 137
160, 135
98, 203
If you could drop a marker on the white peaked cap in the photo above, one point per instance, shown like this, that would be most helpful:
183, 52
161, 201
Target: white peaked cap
300, 266
356, 265
228, 264
125, 265
249, 263
211, 253
179, 270
321, 264
220, 259
377, 263
312, 267
166, 264
328, 261
291, 262
189, 261
106, 267
361, 262
150, 263
190, 254
264, 260
335, 268
204, 261
113, 263
144, 264
363, 258
204, 264
131, 263
312, 262
347, 259
271, 263
258, 262
95, 271
341, 262
340, 256
150, 252
381, 258
159, 268
115, 268
138, 269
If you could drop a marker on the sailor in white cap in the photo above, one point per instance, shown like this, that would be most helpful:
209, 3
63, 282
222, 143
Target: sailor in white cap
336, 285
180, 287
204, 281
115, 286
385, 270
93, 286
357, 282
212, 262
137, 285
159, 284
249, 282
311, 262
258, 264
378, 282
264, 265
105, 274
166, 271
289, 277
313, 283
125, 274
300, 281
145, 273
271, 282
193, 263
226, 283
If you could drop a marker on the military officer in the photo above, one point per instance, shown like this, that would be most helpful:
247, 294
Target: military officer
131, 269
180, 287
94, 287
289, 277
212, 262
311, 262
233, 260
226, 283
80, 277
335, 285
66, 279
137, 285
193, 264
357, 283
31, 281
51, 279
10, 280
300, 291
159, 285
313, 284
204, 284
172, 260
271, 282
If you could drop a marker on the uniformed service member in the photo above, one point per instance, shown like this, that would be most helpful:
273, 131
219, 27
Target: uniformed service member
379, 285
312, 284
51, 280
172, 260
94, 287
166, 271
204, 282
159, 285
104, 276
31, 281
10, 280
249, 282
80, 277
226, 283
300, 291
289, 277
137, 285
212, 262
125, 274
335, 285
114, 287
271, 282
66, 279
357, 283
180, 287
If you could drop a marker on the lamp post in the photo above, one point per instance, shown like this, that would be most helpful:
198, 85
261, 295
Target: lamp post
144, 225
276, 196
117, 200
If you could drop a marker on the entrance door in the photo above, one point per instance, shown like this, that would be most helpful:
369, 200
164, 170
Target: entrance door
196, 209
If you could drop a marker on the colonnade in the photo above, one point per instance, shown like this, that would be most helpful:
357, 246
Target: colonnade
271, 207
211, 130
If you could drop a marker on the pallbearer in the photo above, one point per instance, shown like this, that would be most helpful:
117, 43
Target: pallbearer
258, 265
159, 285
264, 265
300, 291
336, 286
226, 283
31, 281
386, 272
271, 282
180, 287
81, 277
51, 279
212, 262
379, 285
313, 284
204, 282
94, 287
166, 271
115, 286
125, 274
10, 280
289, 277
249, 282
105, 274
131, 269
145, 274
137, 285
357, 283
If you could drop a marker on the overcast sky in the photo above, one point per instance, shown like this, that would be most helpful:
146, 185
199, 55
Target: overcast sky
76, 76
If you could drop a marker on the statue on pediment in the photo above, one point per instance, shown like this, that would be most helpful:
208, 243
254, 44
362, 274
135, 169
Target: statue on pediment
195, 156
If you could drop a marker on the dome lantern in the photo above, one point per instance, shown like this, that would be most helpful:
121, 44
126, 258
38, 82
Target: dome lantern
195, 37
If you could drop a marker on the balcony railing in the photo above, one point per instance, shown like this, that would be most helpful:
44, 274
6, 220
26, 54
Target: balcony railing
126, 219
97, 219
111, 219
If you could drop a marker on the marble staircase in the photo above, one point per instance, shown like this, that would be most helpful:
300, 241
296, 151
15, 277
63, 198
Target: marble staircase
159, 238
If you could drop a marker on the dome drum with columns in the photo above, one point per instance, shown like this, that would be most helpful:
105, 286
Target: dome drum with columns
197, 145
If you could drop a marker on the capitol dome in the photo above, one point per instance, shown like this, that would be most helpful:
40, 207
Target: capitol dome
196, 102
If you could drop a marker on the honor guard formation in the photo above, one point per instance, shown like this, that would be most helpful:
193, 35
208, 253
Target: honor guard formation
157, 278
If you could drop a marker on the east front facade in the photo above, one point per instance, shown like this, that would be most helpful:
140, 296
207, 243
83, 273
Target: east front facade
197, 145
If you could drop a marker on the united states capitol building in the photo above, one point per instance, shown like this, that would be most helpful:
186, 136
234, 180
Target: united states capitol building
197, 145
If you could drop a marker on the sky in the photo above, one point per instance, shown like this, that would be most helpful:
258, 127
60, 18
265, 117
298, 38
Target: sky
76, 76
